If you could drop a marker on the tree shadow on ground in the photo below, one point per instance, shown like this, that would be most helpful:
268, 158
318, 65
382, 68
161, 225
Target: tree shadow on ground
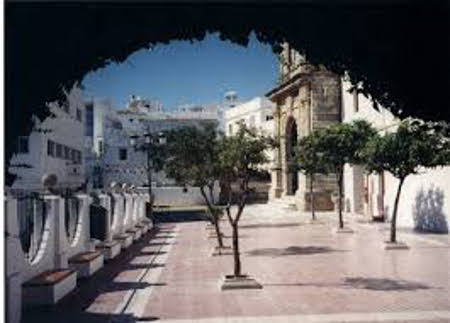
292, 251
428, 211
383, 284
268, 225
375, 284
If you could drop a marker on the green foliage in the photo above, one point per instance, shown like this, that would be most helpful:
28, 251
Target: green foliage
240, 155
192, 155
340, 144
415, 144
309, 161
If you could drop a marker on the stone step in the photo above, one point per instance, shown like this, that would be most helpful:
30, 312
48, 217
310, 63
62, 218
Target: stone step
49, 287
86, 263
109, 249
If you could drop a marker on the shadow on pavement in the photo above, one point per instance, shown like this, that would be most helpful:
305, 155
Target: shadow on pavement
291, 251
142, 266
72, 308
268, 225
152, 253
44, 315
383, 284
375, 284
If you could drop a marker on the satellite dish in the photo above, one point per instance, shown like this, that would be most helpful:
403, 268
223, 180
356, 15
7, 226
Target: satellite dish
49, 181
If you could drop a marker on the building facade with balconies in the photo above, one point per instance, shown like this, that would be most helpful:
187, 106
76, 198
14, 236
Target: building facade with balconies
55, 146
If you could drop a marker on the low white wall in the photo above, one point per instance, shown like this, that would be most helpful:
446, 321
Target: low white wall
175, 196
425, 198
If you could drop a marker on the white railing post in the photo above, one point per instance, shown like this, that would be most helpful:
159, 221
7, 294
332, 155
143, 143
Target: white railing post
135, 217
56, 204
13, 287
87, 244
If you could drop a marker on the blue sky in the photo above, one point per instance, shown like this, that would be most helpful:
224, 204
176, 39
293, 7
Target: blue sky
181, 72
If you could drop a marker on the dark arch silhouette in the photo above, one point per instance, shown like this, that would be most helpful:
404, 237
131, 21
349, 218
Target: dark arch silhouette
397, 49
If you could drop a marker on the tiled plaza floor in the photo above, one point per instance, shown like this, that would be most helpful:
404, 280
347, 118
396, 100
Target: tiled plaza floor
308, 273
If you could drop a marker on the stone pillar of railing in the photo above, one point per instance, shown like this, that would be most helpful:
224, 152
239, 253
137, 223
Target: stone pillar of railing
135, 214
128, 211
119, 214
105, 201
56, 203
13, 284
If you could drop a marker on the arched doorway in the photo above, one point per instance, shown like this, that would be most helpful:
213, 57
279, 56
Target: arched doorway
291, 169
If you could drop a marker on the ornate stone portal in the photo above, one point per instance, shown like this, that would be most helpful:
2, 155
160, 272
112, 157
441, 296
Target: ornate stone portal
307, 98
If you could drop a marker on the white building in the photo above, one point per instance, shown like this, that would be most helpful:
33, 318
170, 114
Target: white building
121, 162
256, 113
55, 146
425, 198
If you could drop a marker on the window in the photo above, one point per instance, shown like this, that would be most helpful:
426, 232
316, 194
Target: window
23, 145
269, 117
66, 153
100, 147
230, 129
50, 148
79, 116
122, 154
355, 100
59, 151
80, 157
74, 155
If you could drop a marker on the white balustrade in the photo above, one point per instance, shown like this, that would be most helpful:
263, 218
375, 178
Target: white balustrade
60, 235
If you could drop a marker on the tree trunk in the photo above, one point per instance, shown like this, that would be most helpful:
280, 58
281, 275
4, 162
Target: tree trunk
237, 260
214, 217
211, 193
341, 220
394, 213
311, 194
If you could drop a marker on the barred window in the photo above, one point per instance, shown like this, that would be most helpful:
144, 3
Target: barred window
59, 151
50, 148
23, 145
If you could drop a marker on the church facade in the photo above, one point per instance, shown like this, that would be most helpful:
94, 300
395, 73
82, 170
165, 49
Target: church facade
307, 98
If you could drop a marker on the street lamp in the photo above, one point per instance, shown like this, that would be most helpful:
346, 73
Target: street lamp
150, 141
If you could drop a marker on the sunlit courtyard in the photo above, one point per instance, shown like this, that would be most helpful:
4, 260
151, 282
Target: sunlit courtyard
308, 274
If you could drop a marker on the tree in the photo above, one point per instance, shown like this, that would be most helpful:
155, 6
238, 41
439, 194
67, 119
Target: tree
407, 151
309, 162
239, 158
193, 160
338, 145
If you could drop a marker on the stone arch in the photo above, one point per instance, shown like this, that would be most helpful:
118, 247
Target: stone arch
91, 37
291, 136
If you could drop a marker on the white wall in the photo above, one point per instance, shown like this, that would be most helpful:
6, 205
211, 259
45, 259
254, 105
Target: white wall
422, 195
175, 196
254, 114
64, 129
258, 109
